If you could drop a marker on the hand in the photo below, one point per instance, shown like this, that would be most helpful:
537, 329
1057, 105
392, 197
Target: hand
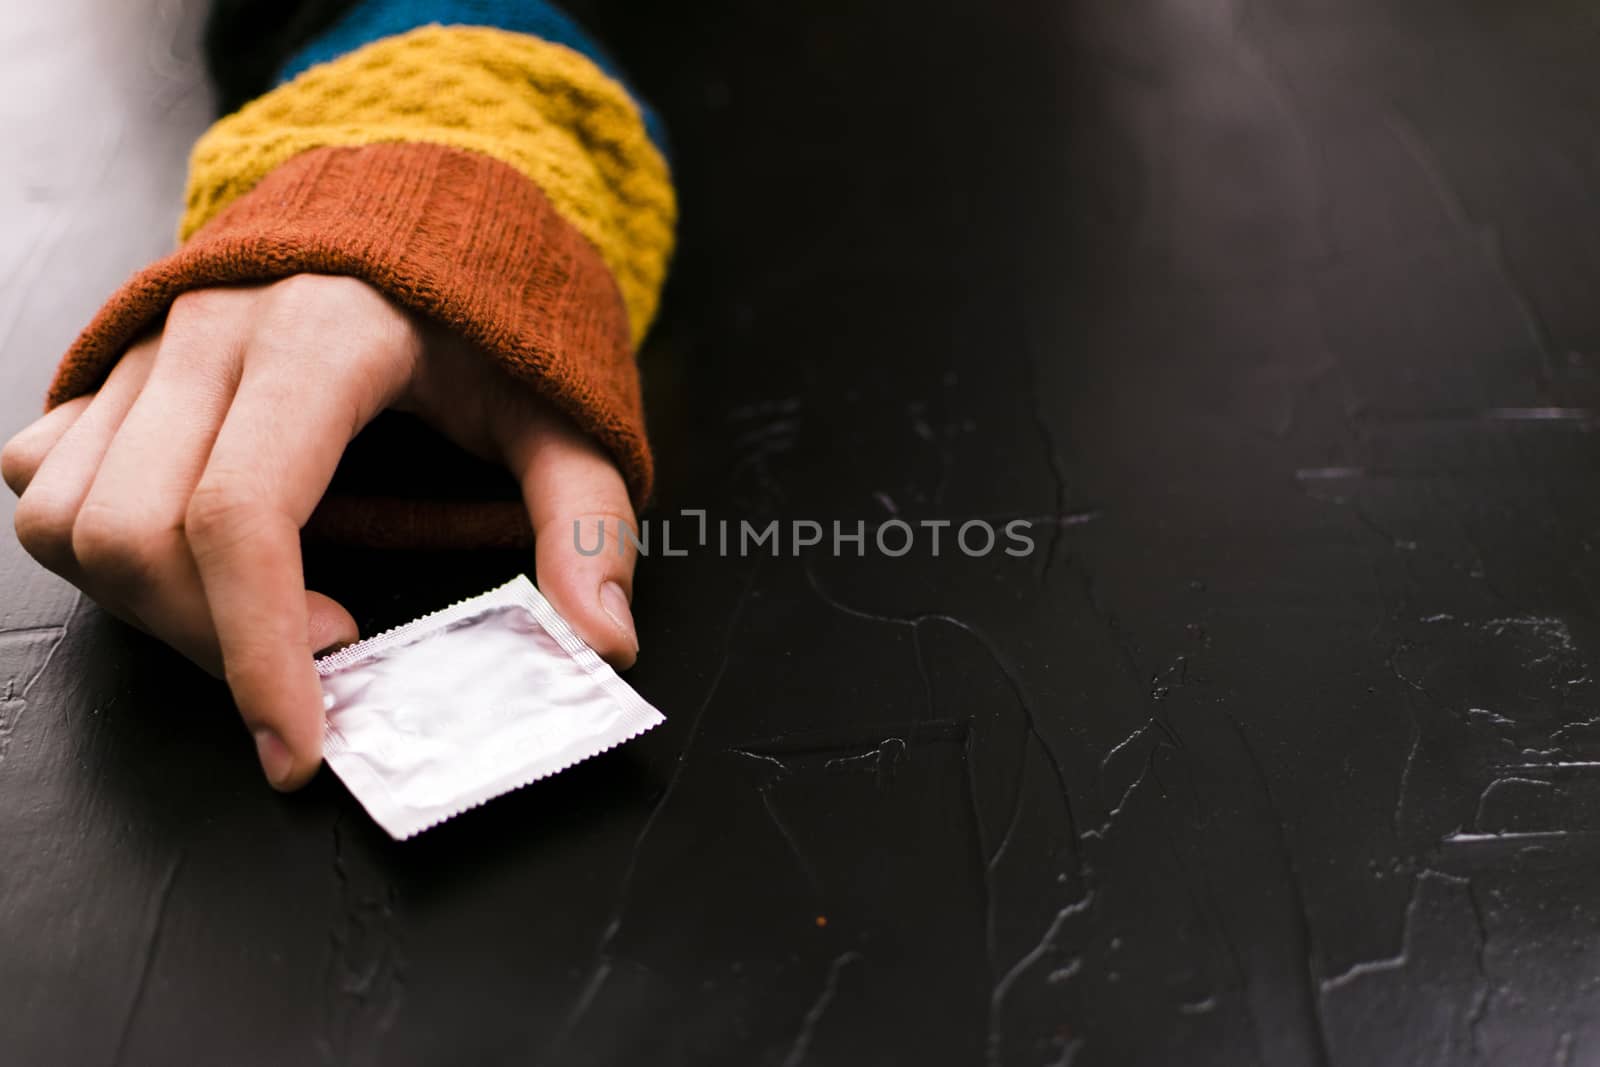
175, 495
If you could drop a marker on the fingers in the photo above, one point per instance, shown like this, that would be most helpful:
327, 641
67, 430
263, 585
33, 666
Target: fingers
571, 488
57, 486
126, 540
24, 453
128, 537
154, 461
174, 496
272, 460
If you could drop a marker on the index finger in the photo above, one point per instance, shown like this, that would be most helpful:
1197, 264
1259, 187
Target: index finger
272, 461
248, 555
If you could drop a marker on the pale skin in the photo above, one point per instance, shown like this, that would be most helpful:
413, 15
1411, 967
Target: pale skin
174, 496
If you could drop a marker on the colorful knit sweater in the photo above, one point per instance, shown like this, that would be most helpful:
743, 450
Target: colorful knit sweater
480, 161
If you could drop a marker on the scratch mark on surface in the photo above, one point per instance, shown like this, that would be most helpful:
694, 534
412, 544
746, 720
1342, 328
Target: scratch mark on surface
1404, 785
880, 759
1314, 1023
1052, 455
783, 768
997, 996
154, 925
922, 672
1061, 520
1066, 971
1560, 649
1491, 717
1098, 833
1556, 765
1488, 790
26, 632
1017, 796
61, 635
1477, 1011
1413, 692
1480, 1003
986, 858
1357, 971
1069, 1052
1461, 838
850, 741
601, 968
14, 704
364, 969
1006, 669
1009, 672
819, 1008
1162, 684
1024, 702
1111, 752
984, 862
805, 865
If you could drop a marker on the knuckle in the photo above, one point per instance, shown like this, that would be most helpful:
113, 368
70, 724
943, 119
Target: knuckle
295, 302
116, 548
201, 305
372, 373
44, 529
316, 301
199, 324
221, 512
375, 343
305, 288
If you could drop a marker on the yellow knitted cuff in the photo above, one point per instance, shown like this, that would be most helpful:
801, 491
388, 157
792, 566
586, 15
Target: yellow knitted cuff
542, 108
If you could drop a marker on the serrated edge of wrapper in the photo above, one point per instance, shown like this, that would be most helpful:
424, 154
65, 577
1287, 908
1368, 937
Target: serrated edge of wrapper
401, 821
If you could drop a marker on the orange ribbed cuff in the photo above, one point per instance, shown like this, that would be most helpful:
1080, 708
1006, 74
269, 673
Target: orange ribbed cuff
448, 233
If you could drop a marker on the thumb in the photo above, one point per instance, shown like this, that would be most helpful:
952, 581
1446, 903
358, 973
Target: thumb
328, 624
572, 489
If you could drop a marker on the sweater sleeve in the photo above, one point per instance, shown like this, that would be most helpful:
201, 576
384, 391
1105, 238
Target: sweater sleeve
479, 161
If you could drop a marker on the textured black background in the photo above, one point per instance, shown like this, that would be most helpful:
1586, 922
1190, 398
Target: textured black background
1278, 316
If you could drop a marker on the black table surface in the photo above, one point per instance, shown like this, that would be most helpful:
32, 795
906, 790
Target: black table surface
1277, 317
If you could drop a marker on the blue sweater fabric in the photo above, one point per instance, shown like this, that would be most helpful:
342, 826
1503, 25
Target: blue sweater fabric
372, 20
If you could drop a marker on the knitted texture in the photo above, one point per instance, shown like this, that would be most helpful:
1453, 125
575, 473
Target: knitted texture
541, 108
372, 20
449, 233
420, 525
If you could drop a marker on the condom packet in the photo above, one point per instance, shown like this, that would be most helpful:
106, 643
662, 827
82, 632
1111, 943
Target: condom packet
445, 713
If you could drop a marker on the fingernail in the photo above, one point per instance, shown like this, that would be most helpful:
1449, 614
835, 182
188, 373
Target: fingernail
614, 602
274, 755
